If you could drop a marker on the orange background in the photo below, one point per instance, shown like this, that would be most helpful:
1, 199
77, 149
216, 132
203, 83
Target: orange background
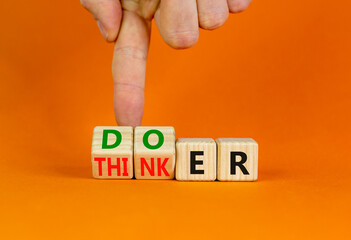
279, 73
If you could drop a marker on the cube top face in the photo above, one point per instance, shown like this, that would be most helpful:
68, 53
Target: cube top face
148, 140
122, 145
237, 159
196, 159
236, 141
154, 152
195, 140
112, 153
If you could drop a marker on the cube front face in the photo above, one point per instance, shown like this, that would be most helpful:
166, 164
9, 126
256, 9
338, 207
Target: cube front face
112, 153
237, 159
154, 152
196, 159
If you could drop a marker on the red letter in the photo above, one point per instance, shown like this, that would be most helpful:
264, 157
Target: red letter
100, 160
144, 163
125, 170
162, 166
118, 167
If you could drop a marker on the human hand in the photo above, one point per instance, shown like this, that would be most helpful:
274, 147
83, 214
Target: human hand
128, 24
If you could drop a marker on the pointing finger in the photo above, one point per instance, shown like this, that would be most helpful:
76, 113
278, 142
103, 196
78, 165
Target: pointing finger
128, 69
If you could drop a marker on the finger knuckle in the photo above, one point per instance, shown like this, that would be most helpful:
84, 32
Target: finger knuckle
129, 87
132, 52
182, 39
236, 6
213, 20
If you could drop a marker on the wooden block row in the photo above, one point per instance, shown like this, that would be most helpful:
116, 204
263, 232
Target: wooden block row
153, 153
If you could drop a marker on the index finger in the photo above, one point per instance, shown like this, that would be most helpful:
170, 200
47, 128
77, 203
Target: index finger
128, 69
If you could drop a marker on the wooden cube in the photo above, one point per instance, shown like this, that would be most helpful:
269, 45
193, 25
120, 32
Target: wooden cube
196, 159
154, 152
237, 159
112, 153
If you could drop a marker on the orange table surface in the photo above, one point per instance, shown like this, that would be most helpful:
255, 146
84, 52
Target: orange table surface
279, 73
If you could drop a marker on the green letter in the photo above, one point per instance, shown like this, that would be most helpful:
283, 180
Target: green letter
161, 139
105, 138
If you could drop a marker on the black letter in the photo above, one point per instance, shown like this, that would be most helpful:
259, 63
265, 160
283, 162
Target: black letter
193, 162
240, 164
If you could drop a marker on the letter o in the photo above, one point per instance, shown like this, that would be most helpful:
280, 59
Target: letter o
161, 139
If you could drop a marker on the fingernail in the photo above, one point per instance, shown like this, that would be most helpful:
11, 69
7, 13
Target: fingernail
102, 29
